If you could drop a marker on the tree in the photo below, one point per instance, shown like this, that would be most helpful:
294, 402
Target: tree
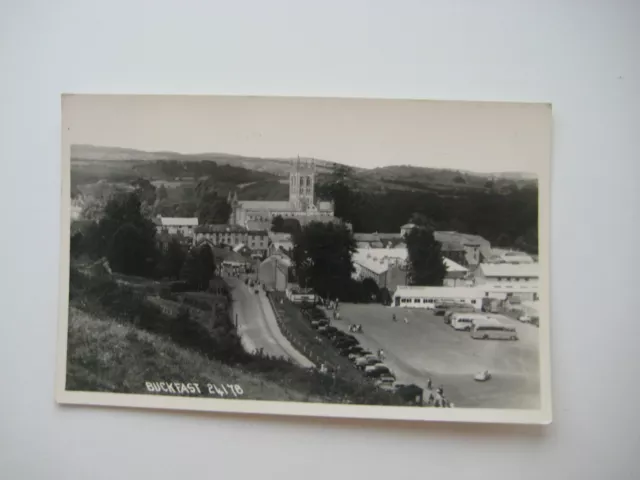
131, 251
198, 267
173, 260
189, 272
145, 190
161, 193
421, 220
291, 225
277, 224
99, 238
322, 257
207, 264
425, 258
186, 209
213, 209
341, 189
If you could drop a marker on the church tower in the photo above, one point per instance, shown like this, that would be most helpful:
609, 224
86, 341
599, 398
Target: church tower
302, 179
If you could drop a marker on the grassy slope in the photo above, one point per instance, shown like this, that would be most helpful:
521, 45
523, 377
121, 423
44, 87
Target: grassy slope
109, 357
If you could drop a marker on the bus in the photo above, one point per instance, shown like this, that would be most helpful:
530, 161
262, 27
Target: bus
485, 331
466, 321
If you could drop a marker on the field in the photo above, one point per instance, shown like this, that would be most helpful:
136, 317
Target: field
428, 348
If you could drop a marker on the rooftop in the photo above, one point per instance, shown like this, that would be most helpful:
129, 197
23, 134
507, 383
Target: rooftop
220, 229
178, 221
439, 292
378, 260
281, 205
509, 269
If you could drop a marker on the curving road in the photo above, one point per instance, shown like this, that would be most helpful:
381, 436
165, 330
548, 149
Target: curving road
257, 325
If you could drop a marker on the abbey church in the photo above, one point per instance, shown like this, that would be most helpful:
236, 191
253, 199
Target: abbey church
302, 204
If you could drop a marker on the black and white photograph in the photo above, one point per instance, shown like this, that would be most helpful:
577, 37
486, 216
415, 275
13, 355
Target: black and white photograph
329, 257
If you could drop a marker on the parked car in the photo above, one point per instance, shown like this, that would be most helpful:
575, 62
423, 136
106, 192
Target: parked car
377, 369
387, 387
366, 361
344, 343
319, 323
344, 337
385, 379
356, 355
525, 318
329, 331
346, 351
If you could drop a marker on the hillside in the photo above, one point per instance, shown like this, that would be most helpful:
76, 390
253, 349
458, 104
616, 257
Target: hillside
256, 176
106, 356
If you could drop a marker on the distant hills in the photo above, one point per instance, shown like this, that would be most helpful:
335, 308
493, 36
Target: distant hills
89, 161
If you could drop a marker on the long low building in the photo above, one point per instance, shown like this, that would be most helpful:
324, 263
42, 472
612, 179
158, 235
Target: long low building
428, 297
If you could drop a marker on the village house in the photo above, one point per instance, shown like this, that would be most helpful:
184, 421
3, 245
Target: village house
176, 225
232, 235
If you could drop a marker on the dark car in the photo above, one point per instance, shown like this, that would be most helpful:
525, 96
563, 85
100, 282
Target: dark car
346, 351
377, 370
329, 331
319, 323
344, 343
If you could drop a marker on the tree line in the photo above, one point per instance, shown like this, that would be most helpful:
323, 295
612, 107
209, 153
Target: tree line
507, 218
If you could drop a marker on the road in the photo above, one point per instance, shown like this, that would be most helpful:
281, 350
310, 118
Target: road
427, 348
257, 325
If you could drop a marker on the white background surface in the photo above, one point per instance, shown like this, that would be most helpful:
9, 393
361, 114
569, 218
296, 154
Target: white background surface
581, 56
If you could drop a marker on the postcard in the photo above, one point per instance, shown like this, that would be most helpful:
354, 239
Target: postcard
325, 257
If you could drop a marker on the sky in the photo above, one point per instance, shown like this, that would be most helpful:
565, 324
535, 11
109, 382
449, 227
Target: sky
474, 136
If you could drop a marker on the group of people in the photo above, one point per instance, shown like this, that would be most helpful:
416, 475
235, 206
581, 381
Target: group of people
395, 319
437, 399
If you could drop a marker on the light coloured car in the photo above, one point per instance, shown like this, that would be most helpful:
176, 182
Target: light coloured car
354, 356
525, 318
367, 361
385, 379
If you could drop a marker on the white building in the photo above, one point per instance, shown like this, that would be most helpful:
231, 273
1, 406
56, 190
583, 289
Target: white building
428, 297
507, 275
175, 225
